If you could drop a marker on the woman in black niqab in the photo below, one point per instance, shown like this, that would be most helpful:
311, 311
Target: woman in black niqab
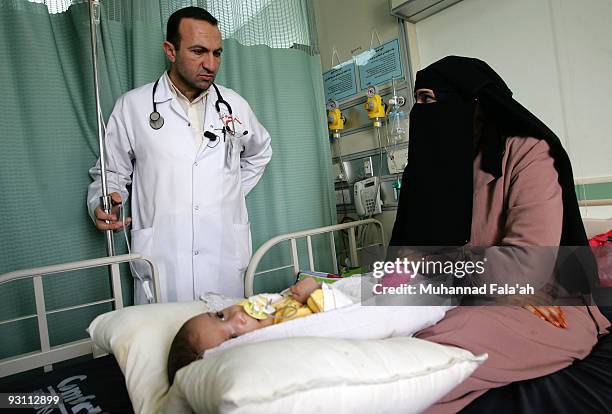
435, 204
473, 117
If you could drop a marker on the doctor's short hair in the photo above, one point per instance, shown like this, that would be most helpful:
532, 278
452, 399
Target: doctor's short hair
172, 27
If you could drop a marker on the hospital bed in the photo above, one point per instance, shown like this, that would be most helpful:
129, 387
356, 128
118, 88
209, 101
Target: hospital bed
398, 390
132, 333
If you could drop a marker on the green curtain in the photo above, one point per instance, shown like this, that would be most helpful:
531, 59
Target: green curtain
46, 146
49, 141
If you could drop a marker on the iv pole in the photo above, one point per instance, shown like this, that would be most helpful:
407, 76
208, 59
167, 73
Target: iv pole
105, 200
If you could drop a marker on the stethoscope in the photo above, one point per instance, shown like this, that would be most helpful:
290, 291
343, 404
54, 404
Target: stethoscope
156, 121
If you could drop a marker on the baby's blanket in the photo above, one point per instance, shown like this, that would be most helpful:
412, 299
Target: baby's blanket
356, 321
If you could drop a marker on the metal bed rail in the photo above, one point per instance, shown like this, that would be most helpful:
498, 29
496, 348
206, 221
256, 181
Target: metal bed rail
595, 203
48, 355
292, 238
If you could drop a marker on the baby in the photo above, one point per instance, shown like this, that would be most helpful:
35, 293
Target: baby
208, 330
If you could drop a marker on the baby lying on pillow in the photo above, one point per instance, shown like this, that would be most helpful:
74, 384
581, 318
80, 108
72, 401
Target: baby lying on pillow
208, 330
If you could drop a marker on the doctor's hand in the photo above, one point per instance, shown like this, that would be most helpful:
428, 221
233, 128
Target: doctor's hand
111, 221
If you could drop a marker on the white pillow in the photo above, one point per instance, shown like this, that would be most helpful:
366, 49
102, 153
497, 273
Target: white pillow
139, 337
322, 375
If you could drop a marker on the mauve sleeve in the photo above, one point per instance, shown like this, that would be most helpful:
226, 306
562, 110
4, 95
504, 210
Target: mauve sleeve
534, 212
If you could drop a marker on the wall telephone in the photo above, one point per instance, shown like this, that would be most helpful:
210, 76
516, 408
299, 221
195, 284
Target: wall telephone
366, 194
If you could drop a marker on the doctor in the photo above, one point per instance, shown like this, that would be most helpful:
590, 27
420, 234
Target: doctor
191, 154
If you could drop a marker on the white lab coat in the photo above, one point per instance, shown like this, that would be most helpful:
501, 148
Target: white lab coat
188, 203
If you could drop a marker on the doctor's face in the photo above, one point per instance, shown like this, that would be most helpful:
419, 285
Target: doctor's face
196, 61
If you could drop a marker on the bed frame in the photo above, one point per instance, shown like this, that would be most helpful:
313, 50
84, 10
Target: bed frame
48, 355
251, 271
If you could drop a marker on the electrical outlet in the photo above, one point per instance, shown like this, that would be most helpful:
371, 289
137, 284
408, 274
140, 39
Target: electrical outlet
367, 166
338, 174
343, 197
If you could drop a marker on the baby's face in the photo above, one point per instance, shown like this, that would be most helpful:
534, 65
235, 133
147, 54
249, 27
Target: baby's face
211, 329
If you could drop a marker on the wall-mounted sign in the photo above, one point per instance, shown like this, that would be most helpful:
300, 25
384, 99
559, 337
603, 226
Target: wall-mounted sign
340, 82
383, 66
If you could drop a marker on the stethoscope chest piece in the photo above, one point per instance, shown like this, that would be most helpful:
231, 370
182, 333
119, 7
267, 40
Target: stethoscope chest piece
156, 120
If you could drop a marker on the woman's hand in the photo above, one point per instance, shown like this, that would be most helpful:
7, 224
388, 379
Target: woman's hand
552, 314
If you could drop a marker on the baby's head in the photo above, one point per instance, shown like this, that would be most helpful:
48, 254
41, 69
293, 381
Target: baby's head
206, 331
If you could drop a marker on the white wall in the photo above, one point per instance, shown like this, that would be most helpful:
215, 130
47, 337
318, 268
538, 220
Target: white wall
556, 55
600, 212
347, 25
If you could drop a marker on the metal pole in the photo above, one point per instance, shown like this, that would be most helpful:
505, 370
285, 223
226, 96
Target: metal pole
105, 200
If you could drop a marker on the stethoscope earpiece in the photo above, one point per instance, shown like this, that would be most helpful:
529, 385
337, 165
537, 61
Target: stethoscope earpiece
156, 120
